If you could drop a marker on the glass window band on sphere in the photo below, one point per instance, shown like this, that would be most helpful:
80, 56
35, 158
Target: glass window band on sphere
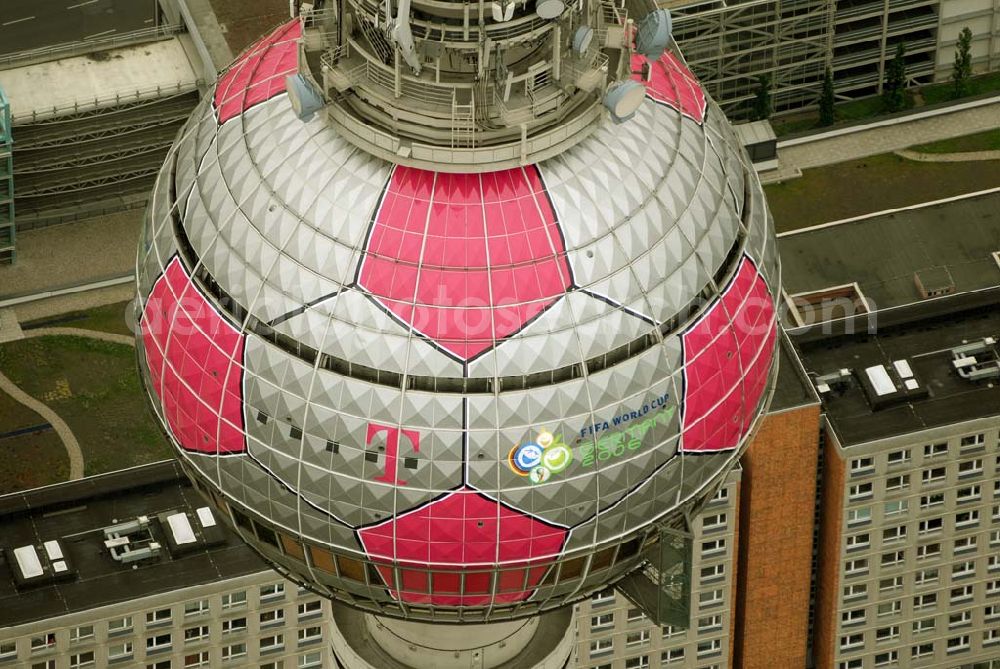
455, 393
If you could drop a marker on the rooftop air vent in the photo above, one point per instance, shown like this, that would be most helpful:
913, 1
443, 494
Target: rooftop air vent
187, 534
978, 360
37, 565
827, 383
934, 282
887, 386
131, 541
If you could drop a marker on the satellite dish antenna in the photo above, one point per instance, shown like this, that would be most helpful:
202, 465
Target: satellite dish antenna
550, 9
508, 11
624, 99
653, 36
497, 11
582, 38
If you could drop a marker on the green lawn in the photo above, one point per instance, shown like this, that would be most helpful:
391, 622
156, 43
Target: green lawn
28, 460
95, 388
114, 318
982, 141
985, 83
859, 187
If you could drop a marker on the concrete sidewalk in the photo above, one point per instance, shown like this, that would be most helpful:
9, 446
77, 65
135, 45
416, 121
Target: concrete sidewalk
886, 137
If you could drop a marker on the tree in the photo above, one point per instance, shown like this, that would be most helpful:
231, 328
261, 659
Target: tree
827, 114
762, 102
894, 89
962, 69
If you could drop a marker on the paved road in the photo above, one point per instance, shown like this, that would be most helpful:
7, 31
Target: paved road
30, 24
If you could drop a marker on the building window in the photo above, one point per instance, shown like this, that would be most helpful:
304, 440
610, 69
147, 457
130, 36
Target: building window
634, 615
928, 551
859, 516
963, 569
640, 662
858, 541
890, 633
993, 562
637, 638
672, 655
44, 664
889, 608
234, 651
890, 584
972, 493
714, 522
669, 631
856, 591
958, 644
313, 607
925, 625
856, 567
82, 633
930, 501
234, 625
933, 475
200, 659
713, 572
926, 576
853, 617
966, 519
856, 663
272, 592
196, 608
922, 650
897, 483
995, 538
991, 613
860, 491
232, 600
157, 643
603, 621
120, 651
709, 648
273, 643
895, 507
81, 660
119, 626
964, 544
890, 534
861, 465
893, 558
721, 496
930, 525
886, 658
960, 619
8, 650
991, 636
852, 641
996, 513
993, 588
160, 617
709, 598
310, 634
309, 660
275, 617
972, 442
197, 633
898, 457
934, 450
925, 601
603, 597
709, 623
599, 647
713, 547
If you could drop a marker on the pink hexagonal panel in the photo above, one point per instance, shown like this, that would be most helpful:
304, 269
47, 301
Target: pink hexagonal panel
259, 74
672, 83
465, 259
195, 360
451, 536
727, 356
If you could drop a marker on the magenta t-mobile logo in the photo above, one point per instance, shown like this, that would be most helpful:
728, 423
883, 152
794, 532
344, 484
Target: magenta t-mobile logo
390, 473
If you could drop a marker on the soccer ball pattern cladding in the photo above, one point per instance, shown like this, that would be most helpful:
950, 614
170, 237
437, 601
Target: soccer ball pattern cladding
419, 391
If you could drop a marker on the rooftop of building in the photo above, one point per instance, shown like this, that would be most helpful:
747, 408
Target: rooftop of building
954, 238
76, 514
932, 385
793, 388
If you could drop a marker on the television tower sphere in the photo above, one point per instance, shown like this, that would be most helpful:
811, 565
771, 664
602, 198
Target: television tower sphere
450, 306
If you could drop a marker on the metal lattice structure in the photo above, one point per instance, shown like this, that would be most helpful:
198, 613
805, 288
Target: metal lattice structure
448, 395
7, 230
